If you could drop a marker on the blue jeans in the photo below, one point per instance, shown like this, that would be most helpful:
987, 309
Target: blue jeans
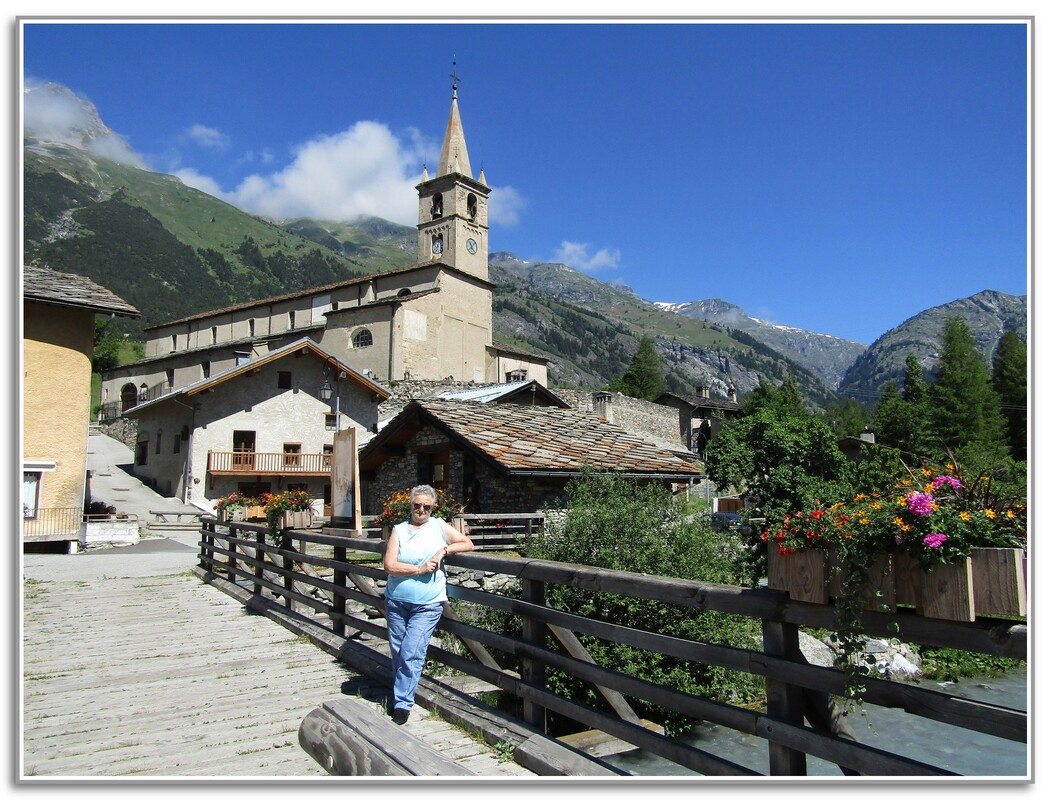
409, 629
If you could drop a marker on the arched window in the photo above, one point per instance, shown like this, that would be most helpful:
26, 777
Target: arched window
129, 396
472, 207
436, 206
362, 338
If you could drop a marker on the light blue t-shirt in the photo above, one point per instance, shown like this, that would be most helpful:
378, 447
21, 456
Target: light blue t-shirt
415, 547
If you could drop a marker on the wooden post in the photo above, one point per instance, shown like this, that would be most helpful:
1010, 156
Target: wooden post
534, 672
339, 582
260, 557
784, 702
288, 565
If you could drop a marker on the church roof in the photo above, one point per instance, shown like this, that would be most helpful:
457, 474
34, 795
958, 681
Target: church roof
497, 392
453, 158
531, 440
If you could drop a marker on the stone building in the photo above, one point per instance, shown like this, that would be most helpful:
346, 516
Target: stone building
505, 457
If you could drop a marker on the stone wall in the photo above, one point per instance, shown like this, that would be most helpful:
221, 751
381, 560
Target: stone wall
109, 533
629, 413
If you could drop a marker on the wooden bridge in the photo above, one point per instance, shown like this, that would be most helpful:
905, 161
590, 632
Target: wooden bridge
320, 586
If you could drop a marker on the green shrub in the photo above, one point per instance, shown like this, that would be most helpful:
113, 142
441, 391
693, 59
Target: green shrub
619, 524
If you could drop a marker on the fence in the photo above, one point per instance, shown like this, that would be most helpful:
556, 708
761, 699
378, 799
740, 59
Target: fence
311, 572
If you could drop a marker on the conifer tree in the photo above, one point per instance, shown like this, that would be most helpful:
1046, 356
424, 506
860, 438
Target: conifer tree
964, 407
644, 378
1010, 382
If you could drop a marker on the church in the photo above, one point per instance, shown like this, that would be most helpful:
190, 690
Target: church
248, 397
429, 321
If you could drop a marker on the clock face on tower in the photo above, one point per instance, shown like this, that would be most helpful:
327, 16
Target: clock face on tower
472, 246
436, 247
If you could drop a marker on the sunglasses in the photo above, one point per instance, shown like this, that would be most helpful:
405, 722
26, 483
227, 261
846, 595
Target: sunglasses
421, 507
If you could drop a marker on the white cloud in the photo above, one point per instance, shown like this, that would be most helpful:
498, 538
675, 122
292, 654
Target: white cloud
363, 170
210, 138
192, 177
53, 113
505, 206
576, 255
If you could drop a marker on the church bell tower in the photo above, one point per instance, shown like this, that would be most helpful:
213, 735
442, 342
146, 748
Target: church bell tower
454, 207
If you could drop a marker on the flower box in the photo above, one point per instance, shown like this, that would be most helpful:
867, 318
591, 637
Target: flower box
255, 512
991, 581
232, 514
295, 519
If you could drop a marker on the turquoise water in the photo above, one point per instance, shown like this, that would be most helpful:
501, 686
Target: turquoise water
960, 751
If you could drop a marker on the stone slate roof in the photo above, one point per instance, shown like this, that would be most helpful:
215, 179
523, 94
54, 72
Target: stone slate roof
45, 285
531, 440
701, 402
495, 392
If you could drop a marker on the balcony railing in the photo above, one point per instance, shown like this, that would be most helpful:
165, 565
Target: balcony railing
52, 523
227, 462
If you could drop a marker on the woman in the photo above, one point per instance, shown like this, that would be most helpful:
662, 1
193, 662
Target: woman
416, 591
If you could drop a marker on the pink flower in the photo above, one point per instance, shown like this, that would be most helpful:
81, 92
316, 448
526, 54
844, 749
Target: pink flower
920, 504
933, 540
941, 480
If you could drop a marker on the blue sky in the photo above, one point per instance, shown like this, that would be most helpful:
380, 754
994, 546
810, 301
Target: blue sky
833, 176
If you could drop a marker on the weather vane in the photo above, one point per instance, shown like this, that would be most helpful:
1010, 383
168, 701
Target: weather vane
453, 75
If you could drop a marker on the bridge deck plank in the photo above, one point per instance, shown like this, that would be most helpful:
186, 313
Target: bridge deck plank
167, 677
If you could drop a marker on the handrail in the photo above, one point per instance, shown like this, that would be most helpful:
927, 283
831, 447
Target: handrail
225, 552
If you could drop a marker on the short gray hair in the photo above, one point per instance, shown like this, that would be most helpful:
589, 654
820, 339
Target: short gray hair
423, 489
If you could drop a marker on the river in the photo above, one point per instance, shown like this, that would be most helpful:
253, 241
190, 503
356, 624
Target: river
961, 751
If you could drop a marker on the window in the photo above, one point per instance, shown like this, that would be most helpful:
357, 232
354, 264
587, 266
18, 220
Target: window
472, 206
206, 369
284, 380
178, 443
330, 422
436, 206
362, 338
292, 451
241, 357
142, 450
326, 459
251, 327
157, 447
291, 320
215, 334
30, 494
170, 374
174, 342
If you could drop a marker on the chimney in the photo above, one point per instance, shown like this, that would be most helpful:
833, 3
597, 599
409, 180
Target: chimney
703, 391
731, 393
603, 404
868, 436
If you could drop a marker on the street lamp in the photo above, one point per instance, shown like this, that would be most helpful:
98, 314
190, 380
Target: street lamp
326, 391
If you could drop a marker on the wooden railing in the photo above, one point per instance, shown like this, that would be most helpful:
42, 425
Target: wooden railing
488, 531
236, 462
311, 571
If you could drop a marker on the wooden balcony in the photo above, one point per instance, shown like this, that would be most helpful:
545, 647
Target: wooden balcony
227, 462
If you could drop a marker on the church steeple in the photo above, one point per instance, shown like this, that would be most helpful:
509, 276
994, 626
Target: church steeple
454, 214
454, 148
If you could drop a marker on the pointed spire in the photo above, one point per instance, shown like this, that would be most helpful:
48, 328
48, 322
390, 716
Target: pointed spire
454, 148
481, 175
425, 177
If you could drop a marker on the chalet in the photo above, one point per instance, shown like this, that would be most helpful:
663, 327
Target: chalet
263, 426
58, 329
505, 457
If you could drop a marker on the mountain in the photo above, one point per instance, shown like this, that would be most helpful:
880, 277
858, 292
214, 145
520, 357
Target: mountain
173, 251
988, 314
826, 356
